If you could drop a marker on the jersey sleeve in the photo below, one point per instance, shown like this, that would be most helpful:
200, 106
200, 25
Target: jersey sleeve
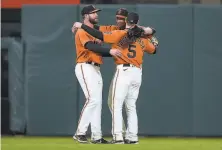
108, 28
149, 47
83, 37
114, 36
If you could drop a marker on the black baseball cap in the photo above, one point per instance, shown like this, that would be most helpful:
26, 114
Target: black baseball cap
122, 12
132, 18
89, 9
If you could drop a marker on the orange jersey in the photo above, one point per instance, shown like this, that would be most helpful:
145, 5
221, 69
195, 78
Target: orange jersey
132, 49
83, 54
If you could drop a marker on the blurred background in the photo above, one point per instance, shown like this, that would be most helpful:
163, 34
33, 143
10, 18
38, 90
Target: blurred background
181, 93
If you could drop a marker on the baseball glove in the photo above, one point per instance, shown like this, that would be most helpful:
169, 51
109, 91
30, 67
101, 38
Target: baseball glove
154, 41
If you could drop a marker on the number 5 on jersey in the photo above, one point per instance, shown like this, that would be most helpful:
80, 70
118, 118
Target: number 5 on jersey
132, 51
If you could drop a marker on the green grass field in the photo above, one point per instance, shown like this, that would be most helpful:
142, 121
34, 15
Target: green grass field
64, 143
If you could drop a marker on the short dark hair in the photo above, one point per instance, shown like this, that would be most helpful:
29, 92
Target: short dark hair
89, 9
132, 18
122, 12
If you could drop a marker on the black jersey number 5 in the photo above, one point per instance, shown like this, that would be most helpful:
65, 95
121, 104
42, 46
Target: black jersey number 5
132, 51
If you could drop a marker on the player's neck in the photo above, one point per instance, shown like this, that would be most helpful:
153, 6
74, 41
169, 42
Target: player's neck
129, 26
86, 22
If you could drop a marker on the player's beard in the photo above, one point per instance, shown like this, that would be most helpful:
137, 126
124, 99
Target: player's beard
93, 21
121, 25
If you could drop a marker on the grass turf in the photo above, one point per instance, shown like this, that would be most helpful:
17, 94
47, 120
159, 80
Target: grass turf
64, 143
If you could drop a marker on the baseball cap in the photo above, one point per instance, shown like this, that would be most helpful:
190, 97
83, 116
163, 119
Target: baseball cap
132, 18
122, 12
89, 9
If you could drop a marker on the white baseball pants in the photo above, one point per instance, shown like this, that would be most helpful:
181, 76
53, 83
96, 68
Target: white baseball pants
125, 89
90, 80
110, 107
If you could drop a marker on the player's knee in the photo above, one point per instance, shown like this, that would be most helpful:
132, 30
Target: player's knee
130, 107
94, 102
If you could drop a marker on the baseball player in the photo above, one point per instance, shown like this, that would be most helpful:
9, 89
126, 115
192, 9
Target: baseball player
87, 70
121, 15
128, 76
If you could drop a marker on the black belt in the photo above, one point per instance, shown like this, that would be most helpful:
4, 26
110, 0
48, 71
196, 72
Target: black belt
93, 63
128, 65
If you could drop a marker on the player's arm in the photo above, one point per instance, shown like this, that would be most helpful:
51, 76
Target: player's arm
105, 52
90, 45
148, 30
107, 37
105, 28
155, 42
150, 47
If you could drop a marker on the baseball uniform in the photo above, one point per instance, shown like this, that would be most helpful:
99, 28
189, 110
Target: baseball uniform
87, 71
127, 79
